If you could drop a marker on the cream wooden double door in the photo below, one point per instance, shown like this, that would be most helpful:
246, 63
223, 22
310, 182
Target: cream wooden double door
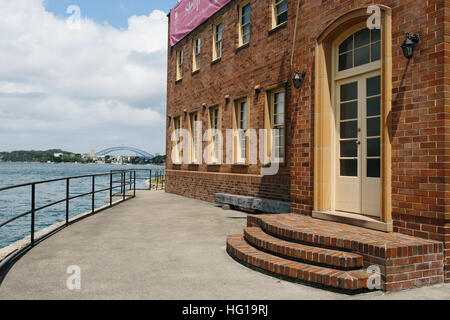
358, 149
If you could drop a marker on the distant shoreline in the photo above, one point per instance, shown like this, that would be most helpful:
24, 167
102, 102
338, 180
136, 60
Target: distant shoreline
94, 163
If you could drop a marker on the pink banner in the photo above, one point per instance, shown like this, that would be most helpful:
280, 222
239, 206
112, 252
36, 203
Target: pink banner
189, 14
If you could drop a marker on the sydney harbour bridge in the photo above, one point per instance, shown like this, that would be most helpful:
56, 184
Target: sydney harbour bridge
137, 151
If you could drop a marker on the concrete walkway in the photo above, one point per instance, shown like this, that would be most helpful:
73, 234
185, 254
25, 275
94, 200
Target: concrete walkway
158, 246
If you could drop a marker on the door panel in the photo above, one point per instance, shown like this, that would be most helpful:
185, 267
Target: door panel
371, 189
348, 186
358, 145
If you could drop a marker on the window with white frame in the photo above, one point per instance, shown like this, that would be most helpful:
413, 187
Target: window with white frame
279, 12
241, 126
217, 41
177, 143
196, 54
244, 23
194, 126
180, 58
215, 138
277, 124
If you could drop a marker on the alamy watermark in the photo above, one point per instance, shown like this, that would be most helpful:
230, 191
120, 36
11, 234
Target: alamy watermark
74, 280
374, 280
374, 21
74, 21
243, 146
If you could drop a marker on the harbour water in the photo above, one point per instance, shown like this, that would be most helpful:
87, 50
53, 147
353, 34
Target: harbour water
17, 201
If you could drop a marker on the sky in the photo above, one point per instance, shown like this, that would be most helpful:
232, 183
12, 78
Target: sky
80, 84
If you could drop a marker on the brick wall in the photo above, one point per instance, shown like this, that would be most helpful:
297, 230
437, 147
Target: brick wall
420, 121
203, 185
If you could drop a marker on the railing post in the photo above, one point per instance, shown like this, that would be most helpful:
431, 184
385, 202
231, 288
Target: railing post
110, 188
93, 194
123, 185
67, 200
130, 181
134, 185
121, 182
33, 207
150, 185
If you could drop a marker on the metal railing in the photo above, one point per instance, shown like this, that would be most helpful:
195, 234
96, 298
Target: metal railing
153, 179
127, 180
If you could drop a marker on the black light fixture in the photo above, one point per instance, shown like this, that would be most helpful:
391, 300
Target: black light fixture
409, 44
298, 79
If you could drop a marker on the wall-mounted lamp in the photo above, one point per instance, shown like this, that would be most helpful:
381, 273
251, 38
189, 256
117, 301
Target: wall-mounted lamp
227, 97
257, 89
298, 79
409, 44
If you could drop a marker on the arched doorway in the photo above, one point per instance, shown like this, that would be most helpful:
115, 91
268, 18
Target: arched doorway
352, 117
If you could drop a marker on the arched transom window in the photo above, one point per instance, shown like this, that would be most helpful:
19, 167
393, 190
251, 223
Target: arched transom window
362, 47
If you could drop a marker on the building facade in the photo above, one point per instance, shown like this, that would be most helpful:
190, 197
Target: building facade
366, 133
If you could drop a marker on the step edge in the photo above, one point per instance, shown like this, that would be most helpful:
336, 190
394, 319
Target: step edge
354, 265
344, 277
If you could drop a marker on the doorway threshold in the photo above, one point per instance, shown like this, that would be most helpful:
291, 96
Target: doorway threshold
354, 220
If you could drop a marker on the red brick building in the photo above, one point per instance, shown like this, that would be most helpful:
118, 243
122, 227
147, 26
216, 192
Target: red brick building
365, 137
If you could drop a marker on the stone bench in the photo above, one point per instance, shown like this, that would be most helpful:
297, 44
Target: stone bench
253, 203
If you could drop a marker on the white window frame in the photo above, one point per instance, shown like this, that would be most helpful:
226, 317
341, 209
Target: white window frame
241, 26
275, 13
178, 140
217, 54
180, 60
241, 129
194, 136
196, 53
273, 125
215, 124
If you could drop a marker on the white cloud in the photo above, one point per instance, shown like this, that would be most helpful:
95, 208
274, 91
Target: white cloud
95, 81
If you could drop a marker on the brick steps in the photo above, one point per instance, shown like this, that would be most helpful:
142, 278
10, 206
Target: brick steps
308, 254
403, 261
353, 280
339, 236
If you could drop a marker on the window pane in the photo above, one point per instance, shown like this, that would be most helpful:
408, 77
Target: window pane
346, 61
219, 31
373, 107
349, 149
279, 97
244, 115
373, 168
246, 9
362, 38
362, 56
349, 129
282, 7
282, 18
373, 147
373, 86
347, 45
279, 120
373, 127
246, 34
349, 110
246, 14
349, 91
376, 52
219, 49
349, 168
376, 35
